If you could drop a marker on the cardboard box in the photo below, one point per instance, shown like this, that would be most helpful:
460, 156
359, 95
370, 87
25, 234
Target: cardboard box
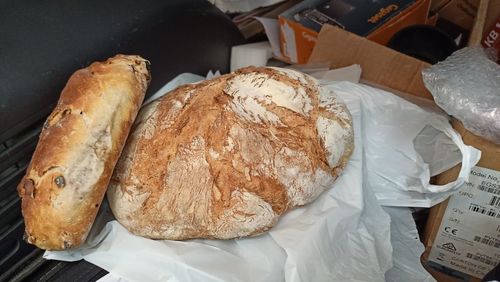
386, 68
492, 16
382, 67
462, 236
491, 32
436, 5
459, 12
492, 38
378, 21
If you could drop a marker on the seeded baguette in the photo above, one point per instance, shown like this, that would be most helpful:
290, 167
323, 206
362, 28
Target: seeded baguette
78, 149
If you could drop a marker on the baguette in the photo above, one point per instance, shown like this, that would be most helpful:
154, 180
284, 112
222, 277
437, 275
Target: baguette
78, 148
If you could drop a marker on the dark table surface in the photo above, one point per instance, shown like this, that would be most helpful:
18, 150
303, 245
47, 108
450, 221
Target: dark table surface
42, 43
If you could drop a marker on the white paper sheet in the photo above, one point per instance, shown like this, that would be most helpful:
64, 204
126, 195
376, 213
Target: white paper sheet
252, 54
235, 6
343, 236
272, 29
406, 244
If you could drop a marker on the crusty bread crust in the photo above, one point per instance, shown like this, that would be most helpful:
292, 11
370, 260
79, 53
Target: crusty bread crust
226, 157
77, 151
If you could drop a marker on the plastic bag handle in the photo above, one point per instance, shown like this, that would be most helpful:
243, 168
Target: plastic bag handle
470, 156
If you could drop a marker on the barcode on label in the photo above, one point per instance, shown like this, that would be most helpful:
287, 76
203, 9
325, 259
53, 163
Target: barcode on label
483, 210
489, 189
495, 201
487, 241
481, 259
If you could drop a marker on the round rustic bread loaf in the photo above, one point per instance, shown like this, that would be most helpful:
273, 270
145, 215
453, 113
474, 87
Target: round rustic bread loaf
226, 157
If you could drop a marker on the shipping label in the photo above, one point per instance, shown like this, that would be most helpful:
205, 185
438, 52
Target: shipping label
468, 239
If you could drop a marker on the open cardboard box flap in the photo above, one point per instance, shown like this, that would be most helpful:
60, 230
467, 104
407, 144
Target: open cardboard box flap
382, 67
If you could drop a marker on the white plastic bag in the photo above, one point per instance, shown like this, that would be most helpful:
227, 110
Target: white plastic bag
405, 146
407, 248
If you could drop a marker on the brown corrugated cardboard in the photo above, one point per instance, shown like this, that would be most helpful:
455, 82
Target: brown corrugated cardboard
432, 20
492, 16
491, 32
460, 12
381, 65
490, 151
476, 33
492, 38
436, 5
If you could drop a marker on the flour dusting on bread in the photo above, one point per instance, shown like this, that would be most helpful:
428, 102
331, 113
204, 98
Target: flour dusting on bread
226, 158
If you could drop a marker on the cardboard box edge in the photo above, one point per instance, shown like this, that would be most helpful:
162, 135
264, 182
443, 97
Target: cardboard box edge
331, 33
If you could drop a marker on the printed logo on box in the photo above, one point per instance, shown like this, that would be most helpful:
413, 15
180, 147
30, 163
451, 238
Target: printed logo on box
449, 247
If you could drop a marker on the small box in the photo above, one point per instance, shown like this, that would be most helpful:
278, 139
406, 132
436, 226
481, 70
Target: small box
462, 236
376, 20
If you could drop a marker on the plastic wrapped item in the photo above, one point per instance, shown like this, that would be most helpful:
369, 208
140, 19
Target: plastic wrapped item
467, 86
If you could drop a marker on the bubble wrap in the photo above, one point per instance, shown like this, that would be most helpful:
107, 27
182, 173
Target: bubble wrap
467, 86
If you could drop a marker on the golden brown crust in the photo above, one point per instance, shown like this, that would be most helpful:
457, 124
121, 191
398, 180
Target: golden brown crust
78, 148
220, 160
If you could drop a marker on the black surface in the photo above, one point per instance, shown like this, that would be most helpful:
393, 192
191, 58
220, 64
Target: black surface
493, 275
424, 42
64, 271
454, 31
42, 43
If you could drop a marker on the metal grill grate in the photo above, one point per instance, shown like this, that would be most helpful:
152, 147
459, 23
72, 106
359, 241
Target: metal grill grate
20, 261
15, 154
